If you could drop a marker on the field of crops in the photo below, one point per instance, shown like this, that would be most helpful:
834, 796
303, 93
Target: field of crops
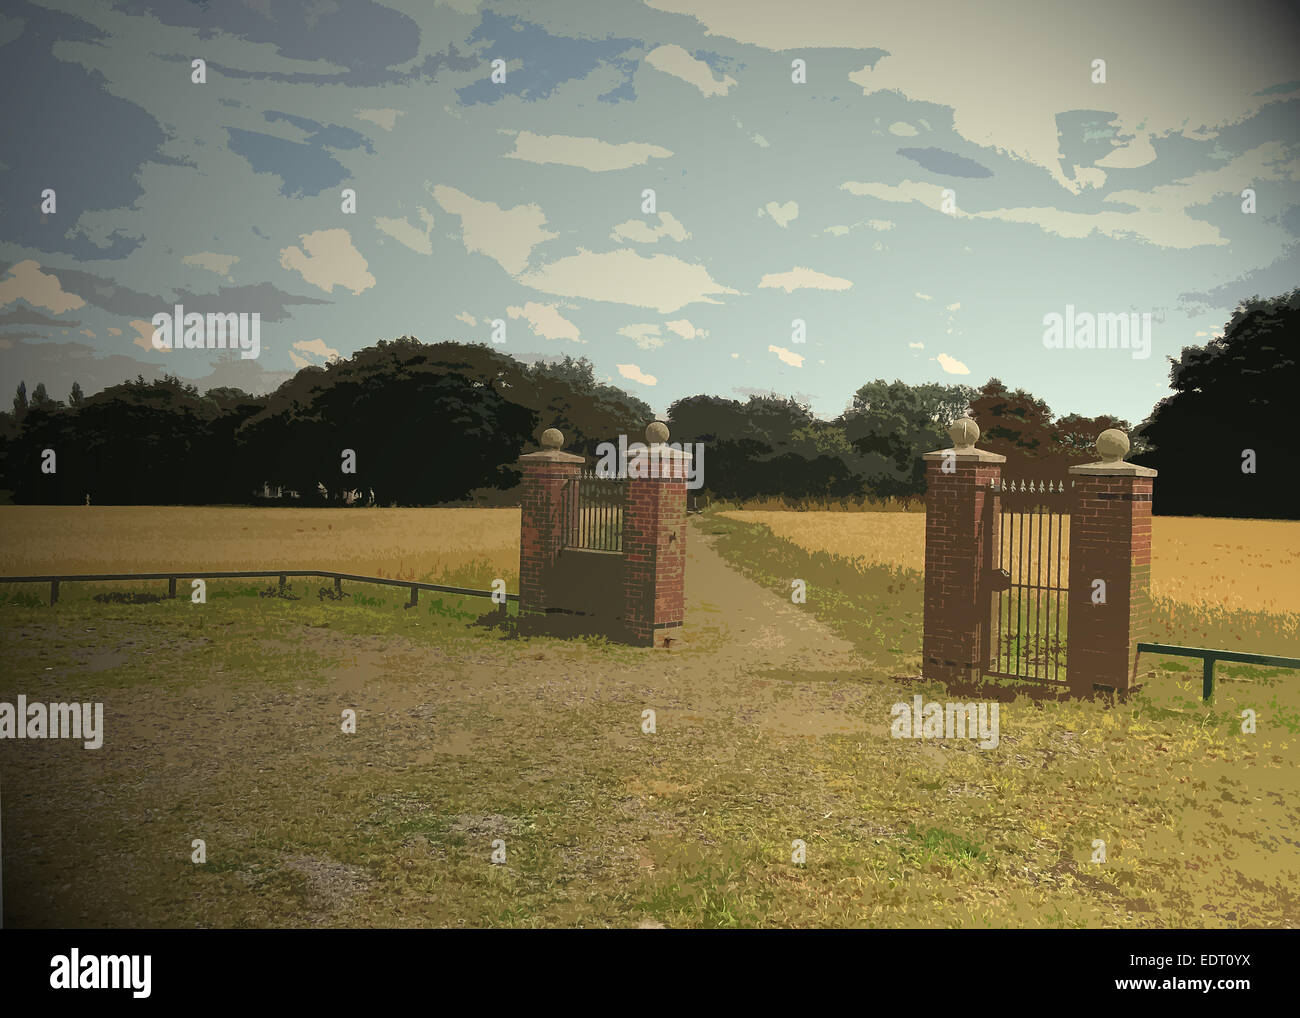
468, 547
1246, 565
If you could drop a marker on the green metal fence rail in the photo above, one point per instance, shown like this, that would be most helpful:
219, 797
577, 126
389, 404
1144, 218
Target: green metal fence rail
1208, 657
171, 577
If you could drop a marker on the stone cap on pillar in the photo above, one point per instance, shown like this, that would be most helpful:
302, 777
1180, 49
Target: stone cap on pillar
656, 434
1112, 447
552, 439
965, 433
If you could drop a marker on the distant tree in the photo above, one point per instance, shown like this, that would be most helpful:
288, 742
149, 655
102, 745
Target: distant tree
20, 402
1231, 411
1017, 425
1076, 436
76, 397
768, 445
40, 397
891, 425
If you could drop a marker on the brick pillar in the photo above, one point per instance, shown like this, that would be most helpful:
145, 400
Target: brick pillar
1110, 540
545, 483
654, 544
958, 542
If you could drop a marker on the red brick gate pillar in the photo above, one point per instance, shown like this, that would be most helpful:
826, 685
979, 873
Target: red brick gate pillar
654, 543
954, 647
1110, 568
541, 519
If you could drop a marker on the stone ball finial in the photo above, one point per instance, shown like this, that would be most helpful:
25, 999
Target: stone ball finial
964, 432
656, 433
1112, 445
552, 438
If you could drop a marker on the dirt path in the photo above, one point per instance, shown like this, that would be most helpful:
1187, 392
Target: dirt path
753, 624
230, 757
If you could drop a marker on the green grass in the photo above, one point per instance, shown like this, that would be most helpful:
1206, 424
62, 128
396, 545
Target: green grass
223, 724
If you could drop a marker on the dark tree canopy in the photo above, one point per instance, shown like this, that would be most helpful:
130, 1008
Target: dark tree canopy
445, 422
1231, 406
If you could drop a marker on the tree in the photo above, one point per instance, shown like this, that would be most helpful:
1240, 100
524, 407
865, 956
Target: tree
1018, 425
1222, 440
20, 402
40, 397
76, 397
891, 425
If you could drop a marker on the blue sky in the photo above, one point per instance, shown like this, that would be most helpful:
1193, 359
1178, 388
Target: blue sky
522, 201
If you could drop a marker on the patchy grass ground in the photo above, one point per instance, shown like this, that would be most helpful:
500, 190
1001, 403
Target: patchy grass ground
223, 723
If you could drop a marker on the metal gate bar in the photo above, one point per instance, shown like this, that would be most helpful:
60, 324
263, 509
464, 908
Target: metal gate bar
593, 513
1028, 607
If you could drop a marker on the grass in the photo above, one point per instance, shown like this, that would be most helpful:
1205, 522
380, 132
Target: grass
469, 547
1237, 565
224, 724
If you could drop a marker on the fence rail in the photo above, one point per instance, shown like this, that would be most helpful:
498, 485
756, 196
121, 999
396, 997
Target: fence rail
283, 574
1208, 657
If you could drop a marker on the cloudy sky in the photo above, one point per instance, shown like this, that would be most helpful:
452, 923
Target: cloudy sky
521, 200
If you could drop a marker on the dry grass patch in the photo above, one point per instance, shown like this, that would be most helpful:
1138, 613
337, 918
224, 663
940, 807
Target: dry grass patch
475, 545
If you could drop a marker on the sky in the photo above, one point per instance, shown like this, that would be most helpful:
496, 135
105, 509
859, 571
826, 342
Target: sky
842, 190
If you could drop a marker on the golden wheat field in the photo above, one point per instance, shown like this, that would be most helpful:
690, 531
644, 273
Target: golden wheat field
1251, 565
451, 545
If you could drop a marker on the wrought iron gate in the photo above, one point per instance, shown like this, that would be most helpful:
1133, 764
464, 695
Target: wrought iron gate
593, 512
1027, 533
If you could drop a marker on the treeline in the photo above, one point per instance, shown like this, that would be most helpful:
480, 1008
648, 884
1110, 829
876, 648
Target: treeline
424, 424
773, 446
445, 422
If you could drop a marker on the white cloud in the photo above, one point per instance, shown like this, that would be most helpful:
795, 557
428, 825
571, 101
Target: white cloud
953, 307
924, 296
1162, 216
916, 346
674, 60
800, 278
467, 318
907, 191
144, 335
507, 236
786, 356
40, 289
645, 336
659, 281
328, 259
218, 263
585, 153
1146, 53
409, 235
384, 118
836, 231
635, 374
685, 329
782, 215
639, 231
902, 130
545, 321
317, 348
952, 365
